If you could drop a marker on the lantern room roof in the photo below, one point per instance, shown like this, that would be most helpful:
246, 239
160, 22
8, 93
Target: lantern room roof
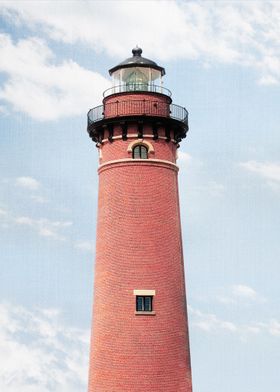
137, 61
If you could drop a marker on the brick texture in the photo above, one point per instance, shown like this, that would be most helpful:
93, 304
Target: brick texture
118, 149
139, 246
137, 104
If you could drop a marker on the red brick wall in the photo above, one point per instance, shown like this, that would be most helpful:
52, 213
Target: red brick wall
141, 103
118, 149
139, 247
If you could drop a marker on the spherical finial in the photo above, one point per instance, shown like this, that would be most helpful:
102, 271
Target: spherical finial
137, 51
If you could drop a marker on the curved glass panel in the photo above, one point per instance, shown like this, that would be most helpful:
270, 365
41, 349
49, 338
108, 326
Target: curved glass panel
136, 81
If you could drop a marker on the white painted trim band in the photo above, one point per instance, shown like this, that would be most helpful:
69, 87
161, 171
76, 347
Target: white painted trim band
144, 292
144, 162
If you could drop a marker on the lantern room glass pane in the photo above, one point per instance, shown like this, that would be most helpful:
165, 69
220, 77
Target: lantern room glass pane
136, 81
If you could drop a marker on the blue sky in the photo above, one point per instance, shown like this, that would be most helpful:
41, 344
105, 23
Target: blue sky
222, 64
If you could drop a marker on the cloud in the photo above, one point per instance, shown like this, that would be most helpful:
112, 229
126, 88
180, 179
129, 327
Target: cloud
238, 295
3, 212
184, 157
243, 291
44, 227
267, 170
39, 199
28, 183
3, 111
232, 32
211, 323
38, 352
86, 246
225, 300
31, 184
243, 294
274, 327
36, 84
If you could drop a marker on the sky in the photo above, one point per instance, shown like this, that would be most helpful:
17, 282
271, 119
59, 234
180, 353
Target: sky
222, 61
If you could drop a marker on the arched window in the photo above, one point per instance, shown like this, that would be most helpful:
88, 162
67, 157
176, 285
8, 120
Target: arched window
140, 152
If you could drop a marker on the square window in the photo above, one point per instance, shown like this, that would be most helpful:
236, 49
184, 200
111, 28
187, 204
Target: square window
144, 303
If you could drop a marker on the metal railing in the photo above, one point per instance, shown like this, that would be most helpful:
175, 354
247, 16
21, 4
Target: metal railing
138, 108
95, 114
136, 87
179, 113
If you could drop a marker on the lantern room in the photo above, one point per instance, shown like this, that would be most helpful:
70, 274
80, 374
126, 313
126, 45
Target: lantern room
137, 74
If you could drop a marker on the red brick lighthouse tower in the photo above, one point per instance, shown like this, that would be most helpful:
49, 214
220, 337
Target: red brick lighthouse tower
140, 332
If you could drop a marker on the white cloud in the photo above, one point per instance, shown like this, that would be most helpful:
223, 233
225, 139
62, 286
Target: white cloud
4, 218
243, 291
268, 80
24, 220
211, 323
45, 227
236, 32
225, 300
239, 294
86, 246
38, 352
3, 212
3, 111
39, 199
41, 88
268, 170
274, 327
253, 329
28, 183
184, 157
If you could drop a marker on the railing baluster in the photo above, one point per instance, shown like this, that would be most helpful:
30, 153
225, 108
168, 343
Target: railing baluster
136, 87
137, 107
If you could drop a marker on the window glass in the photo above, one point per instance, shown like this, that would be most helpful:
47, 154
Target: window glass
139, 304
137, 80
136, 152
143, 152
148, 304
144, 304
140, 152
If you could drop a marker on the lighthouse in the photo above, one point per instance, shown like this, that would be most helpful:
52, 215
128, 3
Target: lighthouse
140, 339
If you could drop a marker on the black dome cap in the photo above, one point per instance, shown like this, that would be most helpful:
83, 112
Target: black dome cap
137, 61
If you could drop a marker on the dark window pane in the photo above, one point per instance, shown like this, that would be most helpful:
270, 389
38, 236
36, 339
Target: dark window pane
140, 152
144, 152
148, 304
139, 304
136, 152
